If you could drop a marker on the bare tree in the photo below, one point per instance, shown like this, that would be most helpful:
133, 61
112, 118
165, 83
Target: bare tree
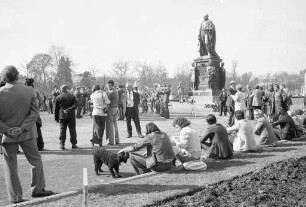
56, 52
119, 71
234, 69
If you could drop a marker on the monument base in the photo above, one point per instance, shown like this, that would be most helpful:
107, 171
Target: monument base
202, 97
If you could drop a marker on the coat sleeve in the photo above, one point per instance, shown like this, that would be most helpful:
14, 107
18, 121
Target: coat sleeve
28, 122
209, 134
233, 128
258, 127
56, 109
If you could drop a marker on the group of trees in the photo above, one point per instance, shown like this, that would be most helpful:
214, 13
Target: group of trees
295, 82
56, 68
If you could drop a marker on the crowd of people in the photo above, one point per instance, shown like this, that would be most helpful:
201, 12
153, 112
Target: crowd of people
20, 125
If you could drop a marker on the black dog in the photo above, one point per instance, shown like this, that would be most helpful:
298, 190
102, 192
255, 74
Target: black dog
112, 160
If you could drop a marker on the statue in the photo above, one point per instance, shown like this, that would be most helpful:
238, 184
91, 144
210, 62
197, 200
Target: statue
207, 38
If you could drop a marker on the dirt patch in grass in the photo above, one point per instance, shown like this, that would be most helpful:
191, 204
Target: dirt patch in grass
279, 184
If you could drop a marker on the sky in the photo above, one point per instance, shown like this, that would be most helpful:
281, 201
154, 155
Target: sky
262, 35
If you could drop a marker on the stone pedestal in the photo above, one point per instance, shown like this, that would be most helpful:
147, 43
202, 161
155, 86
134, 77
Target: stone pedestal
210, 79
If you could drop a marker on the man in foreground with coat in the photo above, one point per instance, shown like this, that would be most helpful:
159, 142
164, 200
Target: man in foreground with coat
18, 114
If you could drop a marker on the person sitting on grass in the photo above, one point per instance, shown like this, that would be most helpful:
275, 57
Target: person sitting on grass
287, 125
159, 156
219, 145
263, 130
241, 134
188, 146
298, 118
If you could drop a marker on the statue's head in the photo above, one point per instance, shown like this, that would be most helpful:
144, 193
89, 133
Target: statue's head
206, 17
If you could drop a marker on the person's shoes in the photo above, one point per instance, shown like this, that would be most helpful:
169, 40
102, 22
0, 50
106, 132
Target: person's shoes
117, 143
129, 136
140, 136
100, 145
43, 193
109, 144
74, 146
62, 147
22, 200
78, 117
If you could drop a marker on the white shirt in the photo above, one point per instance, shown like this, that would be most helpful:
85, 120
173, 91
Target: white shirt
129, 99
99, 100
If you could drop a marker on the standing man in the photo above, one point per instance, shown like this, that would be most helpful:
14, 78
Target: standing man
223, 98
230, 103
111, 124
258, 96
40, 139
121, 93
64, 113
166, 101
249, 102
78, 96
180, 92
18, 114
55, 93
132, 112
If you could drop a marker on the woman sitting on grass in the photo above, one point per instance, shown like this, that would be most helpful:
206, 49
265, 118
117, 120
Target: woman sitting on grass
188, 146
159, 156
241, 133
219, 144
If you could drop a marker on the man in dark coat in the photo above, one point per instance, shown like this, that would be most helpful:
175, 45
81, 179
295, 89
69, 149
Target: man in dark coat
132, 100
230, 103
219, 144
223, 98
78, 95
287, 125
64, 113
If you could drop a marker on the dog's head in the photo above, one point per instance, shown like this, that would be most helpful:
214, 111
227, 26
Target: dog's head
123, 157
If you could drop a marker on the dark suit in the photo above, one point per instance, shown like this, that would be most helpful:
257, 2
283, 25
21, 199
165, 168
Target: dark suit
132, 113
248, 104
220, 146
64, 113
19, 109
287, 125
230, 103
223, 98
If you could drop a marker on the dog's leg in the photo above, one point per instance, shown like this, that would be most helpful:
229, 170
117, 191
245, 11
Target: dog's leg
117, 171
100, 168
97, 165
111, 169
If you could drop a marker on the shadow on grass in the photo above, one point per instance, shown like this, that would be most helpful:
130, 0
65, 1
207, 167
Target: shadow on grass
87, 150
123, 189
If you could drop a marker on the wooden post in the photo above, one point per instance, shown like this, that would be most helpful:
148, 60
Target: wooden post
85, 188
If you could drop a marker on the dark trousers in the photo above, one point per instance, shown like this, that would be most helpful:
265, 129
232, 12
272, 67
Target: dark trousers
139, 164
40, 140
251, 113
231, 118
120, 110
98, 129
131, 114
63, 128
79, 110
223, 109
50, 107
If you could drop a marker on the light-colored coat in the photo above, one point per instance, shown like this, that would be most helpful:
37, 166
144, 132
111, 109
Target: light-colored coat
244, 138
264, 131
239, 99
18, 109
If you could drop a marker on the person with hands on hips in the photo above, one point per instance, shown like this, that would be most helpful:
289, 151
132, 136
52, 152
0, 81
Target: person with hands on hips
159, 156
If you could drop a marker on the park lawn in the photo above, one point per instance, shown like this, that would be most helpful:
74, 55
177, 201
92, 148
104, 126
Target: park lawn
161, 186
